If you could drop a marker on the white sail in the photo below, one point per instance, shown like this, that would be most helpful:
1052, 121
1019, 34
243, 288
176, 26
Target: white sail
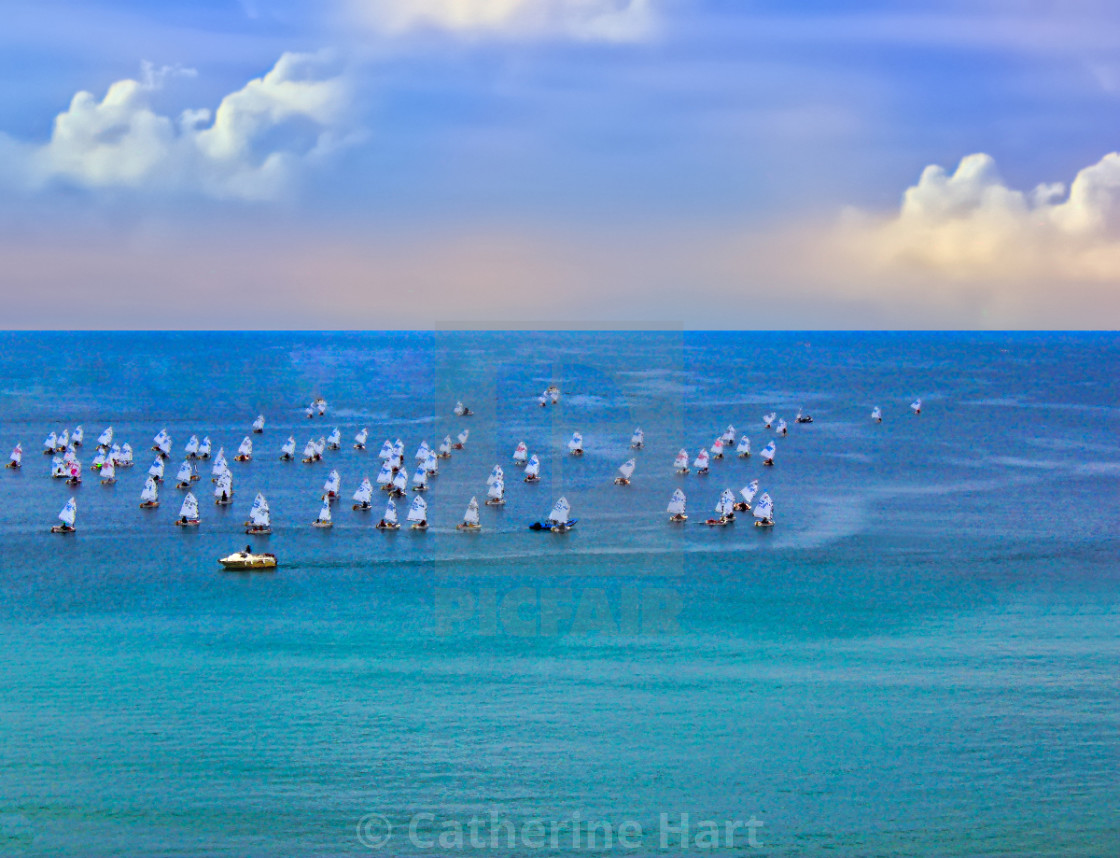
108, 471
432, 465
289, 448
764, 509
400, 480
105, 438
100, 459
521, 454
159, 439
69, 513
677, 503
497, 490
361, 438
204, 449
50, 442
916, 406
781, 427
626, 469
726, 503
744, 446
768, 452
386, 450
729, 435
464, 435
224, 486
420, 479
717, 447
533, 467
422, 453
702, 460
185, 473
445, 446
191, 449
321, 404
638, 438
364, 494
58, 467
497, 475
398, 449
17, 455
681, 462
876, 413
220, 466
334, 440
78, 436
310, 451
391, 511
258, 424
246, 448
156, 470
749, 491
385, 475
150, 494
333, 483
259, 514
561, 512
309, 411
126, 455
471, 515
460, 409
325, 512
542, 400
189, 509
553, 394
769, 419
63, 439
576, 442
419, 509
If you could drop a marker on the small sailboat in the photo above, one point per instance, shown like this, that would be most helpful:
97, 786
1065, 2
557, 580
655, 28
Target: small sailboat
108, 472
418, 513
496, 494
553, 393
432, 465
363, 497
782, 428
324, 519
320, 406
68, 517
161, 443
288, 450
717, 448
744, 449
260, 517
258, 425
334, 440
311, 452
389, 520
310, 412
677, 507
149, 497
49, 444
461, 441
15, 461
625, 472
386, 451
445, 448
332, 486
495, 475
422, 453
638, 439
220, 466
75, 478
462, 411
156, 469
99, 460
877, 414
802, 418
725, 508
385, 477
185, 477
59, 469
400, 483
420, 480
575, 444
124, 460
361, 438
768, 454
728, 436
105, 439
916, 406
533, 469
245, 451
77, 436
680, 464
204, 449
559, 520
769, 419
223, 490
470, 518
521, 454
191, 449
63, 441
188, 512
764, 512
748, 492
249, 561
542, 400
701, 463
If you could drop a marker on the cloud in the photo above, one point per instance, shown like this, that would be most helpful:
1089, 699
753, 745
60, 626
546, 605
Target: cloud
250, 148
587, 20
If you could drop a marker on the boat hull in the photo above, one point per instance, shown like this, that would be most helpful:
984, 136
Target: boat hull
242, 562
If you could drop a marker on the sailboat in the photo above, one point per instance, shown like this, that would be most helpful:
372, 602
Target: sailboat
542, 400
769, 419
432, 465
496, 494
16, 459
877, 414
75, 478
223, 491
445, 448
220, 466
400, 483
744, 448
575, 445
49, 444
204, 448
725, 507
363, 497
162, 443
331, 486
748, 492
559, 520
422, 453
764, 512
461, 440
361, 438
625, 472
470, 518
768, 454
495, 475
462, 411
324, 519
802, 418
63, 441
156, 470
916, 406
420, 480
521, 454
701, 463
334, 440
124, 460
386, 451
77, 436
680, 464
638, 439
385, 477
185, 475
245, 451
108, 472
149, 497
728, 436
677, 507
258, 425
320, 405
68, 516
99, 460
389, 520
105, 438
717, 448
553, 393
781, 428
533, 469
310, 412
311, 452
191, 449
260, 517
418, 513
188, 512
288, 450
59, 469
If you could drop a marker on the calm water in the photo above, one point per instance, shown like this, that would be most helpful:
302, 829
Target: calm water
920, 659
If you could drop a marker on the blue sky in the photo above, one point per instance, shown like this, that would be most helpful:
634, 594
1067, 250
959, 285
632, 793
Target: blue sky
753, 153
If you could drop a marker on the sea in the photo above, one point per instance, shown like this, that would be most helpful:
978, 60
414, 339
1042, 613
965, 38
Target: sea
919, 659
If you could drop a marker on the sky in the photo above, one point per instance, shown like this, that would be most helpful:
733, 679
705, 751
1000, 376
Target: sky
429, 163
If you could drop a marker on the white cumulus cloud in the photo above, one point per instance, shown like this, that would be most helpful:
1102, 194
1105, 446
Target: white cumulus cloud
590, 20
251, 147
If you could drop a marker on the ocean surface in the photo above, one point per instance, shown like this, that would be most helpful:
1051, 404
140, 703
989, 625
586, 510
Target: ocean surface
921, 658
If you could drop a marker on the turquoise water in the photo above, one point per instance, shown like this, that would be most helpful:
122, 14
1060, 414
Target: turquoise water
920, 659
